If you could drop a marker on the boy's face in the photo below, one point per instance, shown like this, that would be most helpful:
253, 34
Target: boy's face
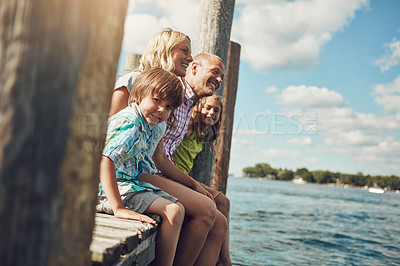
154, 109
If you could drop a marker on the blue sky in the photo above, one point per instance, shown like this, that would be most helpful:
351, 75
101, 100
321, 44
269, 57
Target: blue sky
319, 80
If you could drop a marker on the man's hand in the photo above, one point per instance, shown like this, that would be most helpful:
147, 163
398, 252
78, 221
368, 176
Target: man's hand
199, 188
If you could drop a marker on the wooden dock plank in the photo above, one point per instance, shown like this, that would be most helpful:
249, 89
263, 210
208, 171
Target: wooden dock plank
122, 242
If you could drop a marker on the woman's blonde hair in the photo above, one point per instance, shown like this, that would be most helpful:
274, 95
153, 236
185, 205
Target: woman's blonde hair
203, 133
161, 82
158, 50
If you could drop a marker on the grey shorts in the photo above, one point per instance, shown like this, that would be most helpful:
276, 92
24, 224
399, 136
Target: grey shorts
137, 201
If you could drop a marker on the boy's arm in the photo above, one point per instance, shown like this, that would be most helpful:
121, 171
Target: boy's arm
109, 182
172, 171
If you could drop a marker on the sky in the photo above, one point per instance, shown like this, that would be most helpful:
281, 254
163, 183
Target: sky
319, 80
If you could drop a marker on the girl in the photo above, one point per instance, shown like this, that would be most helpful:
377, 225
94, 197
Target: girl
155, 95
204, 126
168, 49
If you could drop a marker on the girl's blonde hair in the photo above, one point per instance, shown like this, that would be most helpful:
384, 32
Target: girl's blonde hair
161, 82
158, 50
202, 133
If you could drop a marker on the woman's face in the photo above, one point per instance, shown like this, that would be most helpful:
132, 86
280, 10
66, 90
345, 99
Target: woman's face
211, 112
181, 57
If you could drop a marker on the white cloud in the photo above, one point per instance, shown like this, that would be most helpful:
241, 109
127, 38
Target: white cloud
147, 17
241, 143
351, 138
391, 58
271, 89
387, 150
309, 96
388, 95
344, 130
312, 160
300, 141
248, 132
342, 119
273, 154
289, 34
136, 38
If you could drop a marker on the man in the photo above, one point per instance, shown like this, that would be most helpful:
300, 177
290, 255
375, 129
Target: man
203, 77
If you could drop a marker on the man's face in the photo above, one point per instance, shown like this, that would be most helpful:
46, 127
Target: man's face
209, 76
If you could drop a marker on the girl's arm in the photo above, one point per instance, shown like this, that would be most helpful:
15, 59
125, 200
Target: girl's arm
119, 100
109, 182
172, 171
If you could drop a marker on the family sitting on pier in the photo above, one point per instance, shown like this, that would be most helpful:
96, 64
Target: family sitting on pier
160, 116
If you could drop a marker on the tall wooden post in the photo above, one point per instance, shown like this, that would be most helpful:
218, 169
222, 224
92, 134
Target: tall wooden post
57, 68
222, 154
212, 36
132, 62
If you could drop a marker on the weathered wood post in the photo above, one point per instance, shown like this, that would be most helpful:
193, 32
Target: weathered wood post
132, 62
222, 152
57, 68
212, 36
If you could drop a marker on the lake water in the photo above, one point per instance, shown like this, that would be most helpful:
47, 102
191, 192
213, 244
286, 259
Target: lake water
281, 223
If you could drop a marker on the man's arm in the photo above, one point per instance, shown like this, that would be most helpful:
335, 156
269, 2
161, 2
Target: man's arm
169, 169
109, 182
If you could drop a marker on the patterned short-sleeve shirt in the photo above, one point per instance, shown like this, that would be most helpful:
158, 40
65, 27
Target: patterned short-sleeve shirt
128, 140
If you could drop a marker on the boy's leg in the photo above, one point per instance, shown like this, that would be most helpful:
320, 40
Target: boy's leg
172, 215
200, 216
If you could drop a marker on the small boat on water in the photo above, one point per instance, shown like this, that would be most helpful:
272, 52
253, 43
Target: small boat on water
299, 181
377, 190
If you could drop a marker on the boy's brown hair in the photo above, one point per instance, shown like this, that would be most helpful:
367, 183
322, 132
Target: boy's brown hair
161, 82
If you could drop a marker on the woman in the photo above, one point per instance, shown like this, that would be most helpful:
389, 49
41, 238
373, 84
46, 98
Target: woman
168, 49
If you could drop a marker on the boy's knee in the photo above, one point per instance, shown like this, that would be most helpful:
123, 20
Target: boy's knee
176, 212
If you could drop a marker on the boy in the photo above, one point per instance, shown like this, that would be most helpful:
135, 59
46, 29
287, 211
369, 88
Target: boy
155, 95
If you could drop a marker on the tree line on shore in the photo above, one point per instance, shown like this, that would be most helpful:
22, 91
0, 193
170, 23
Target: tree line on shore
323, 177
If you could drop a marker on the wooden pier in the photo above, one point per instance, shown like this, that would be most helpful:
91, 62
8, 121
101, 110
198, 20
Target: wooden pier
122, 242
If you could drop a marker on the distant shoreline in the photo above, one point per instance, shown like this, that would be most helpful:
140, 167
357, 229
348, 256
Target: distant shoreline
325, 184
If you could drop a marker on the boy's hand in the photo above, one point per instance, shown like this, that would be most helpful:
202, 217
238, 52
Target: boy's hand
132, 215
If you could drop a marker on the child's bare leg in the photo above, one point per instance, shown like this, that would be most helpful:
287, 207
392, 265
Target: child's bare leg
200, 215
212, 247
172, 215
223, 205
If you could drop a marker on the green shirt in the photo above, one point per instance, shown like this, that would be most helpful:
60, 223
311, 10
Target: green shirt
186, 152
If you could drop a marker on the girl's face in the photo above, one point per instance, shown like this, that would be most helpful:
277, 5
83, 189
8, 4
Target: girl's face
211, 112
181, 57
154, 110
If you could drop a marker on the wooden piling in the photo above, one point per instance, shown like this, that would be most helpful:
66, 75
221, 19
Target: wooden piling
132, 62
212, 36
58, 63
223, 149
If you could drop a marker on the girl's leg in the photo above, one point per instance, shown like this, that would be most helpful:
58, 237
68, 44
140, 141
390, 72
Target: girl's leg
172, 215
200, 216
212, 247
223, 205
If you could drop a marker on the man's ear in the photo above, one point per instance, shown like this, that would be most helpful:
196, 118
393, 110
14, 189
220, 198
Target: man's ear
194, 68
